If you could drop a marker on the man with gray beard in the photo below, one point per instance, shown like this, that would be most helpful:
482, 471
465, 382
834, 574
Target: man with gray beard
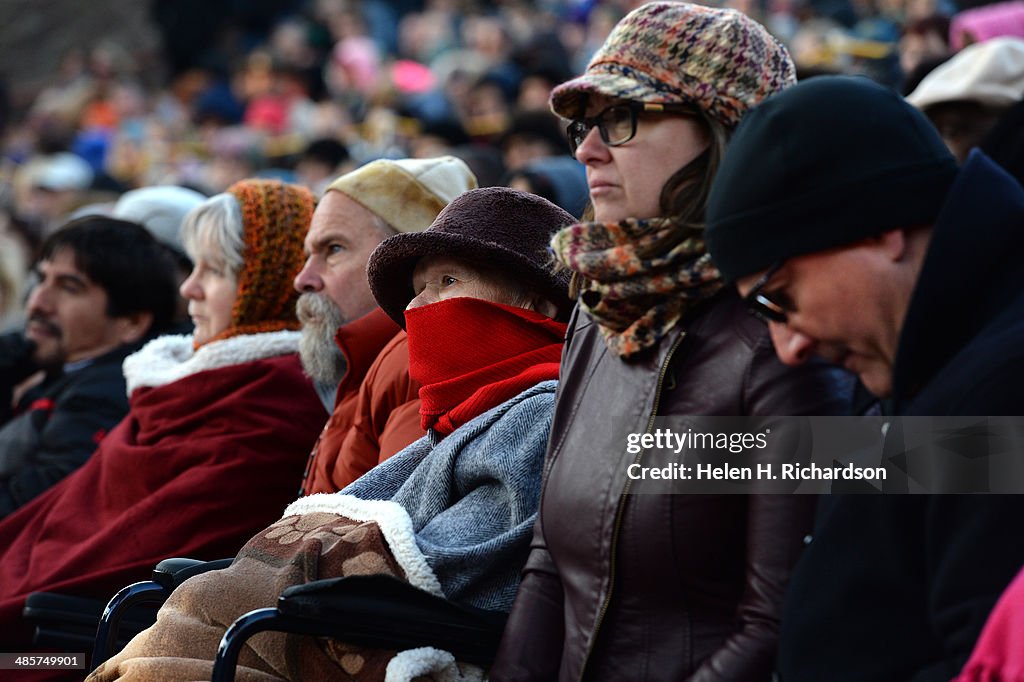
321, 357
354, 353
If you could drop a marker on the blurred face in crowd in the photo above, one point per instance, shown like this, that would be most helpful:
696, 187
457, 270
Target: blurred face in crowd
48, 205
333, 281
211, 290
626, 181
311, 172
962, 125
67, 315
845, 305
917, 47
534, 92
521, 149
439, 278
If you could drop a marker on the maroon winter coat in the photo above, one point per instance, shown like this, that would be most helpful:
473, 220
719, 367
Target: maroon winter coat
199, 465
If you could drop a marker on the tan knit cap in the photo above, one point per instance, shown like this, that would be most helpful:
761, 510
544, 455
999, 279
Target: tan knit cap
407, 193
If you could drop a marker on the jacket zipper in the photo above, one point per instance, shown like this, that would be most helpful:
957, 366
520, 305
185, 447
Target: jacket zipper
622, 504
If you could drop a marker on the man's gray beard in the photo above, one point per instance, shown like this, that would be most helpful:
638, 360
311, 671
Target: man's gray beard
321, 358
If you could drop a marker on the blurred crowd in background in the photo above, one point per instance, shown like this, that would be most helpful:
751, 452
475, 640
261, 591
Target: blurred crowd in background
305, 90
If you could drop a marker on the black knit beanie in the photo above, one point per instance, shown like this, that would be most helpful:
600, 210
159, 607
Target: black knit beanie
828, 162
496, 227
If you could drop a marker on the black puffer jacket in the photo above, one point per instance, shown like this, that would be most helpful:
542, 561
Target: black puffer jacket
56, 425
661, 587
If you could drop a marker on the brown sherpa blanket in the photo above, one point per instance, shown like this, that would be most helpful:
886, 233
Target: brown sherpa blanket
372, 537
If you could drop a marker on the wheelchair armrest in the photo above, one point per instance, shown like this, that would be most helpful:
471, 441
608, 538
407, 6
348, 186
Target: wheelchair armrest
40, 606
64, 621
167, 575
384, 612
170, 573
377, 611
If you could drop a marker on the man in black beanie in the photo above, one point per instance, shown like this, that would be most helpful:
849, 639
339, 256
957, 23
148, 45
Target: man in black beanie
843, 220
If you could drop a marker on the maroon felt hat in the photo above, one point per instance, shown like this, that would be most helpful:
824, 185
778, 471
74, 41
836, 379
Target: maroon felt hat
496, 227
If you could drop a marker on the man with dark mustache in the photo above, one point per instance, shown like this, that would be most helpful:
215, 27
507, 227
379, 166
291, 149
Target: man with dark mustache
105, 286
354, 353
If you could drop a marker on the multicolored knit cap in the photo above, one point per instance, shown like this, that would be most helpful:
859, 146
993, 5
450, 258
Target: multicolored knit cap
719, 60
275, 219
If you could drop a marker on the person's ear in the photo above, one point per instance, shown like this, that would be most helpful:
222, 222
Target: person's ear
133, 327
893, 243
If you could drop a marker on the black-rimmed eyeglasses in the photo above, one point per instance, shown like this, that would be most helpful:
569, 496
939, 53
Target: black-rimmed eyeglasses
760, 303
617, 123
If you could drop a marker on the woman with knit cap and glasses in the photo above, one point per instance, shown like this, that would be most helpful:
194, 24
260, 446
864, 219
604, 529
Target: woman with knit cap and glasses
453, 513
218, 428
659, 587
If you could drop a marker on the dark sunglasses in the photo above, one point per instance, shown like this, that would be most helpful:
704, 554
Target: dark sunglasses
761, 304
617, 123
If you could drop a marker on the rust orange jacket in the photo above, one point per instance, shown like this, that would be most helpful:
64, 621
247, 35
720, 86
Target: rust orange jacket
376, 412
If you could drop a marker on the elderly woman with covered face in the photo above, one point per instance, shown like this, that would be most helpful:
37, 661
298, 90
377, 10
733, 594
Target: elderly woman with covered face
452, 513
218, 428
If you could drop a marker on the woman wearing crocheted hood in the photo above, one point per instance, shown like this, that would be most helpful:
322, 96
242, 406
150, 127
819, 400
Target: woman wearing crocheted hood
659, 586
218, 430
453, 513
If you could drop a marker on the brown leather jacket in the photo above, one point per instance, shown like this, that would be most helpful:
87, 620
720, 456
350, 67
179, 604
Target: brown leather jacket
660, 587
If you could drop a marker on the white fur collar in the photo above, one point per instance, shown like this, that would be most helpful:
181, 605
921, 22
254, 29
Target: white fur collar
169, 358
394, 523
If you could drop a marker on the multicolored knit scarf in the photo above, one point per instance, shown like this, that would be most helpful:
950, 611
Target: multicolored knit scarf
635, 299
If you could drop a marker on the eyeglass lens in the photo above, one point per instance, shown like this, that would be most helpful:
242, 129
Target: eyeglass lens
760, 303
616, 125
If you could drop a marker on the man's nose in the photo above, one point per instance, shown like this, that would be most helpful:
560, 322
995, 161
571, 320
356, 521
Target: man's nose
308, 280
792, 347
39, 301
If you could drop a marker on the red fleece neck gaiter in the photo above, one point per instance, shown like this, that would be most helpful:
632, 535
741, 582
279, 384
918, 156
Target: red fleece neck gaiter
470, 355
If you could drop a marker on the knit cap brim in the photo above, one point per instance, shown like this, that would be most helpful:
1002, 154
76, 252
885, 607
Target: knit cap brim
569, 99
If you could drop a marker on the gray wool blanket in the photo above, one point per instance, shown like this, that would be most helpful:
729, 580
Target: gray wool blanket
453, 517
473, 497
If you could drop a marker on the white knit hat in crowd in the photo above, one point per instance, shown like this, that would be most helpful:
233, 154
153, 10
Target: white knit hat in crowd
160, 209
407, 193
989, 73
63, 171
